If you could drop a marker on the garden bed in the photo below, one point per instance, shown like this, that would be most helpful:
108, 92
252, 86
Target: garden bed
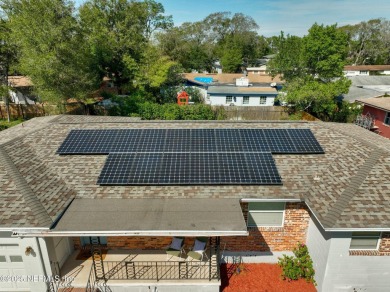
259, 278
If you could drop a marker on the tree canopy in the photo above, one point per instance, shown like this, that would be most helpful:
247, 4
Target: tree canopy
66, 51
313, 69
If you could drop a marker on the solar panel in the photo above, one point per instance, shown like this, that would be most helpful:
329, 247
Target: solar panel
190, 140
189, 169
304, 142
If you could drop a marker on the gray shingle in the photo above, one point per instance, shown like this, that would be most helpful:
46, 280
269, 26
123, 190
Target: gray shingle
55, 180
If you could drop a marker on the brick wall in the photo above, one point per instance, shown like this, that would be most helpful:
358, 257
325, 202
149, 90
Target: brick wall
284, 238
384, 247
138, 242
296, 222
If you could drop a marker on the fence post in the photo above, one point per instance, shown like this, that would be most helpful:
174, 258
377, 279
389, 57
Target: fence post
156, 272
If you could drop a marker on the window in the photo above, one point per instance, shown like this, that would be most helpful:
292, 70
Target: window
363, 72
2, 259
263, 99
387, 118
229, 99
365, 240
270, 214
245, 100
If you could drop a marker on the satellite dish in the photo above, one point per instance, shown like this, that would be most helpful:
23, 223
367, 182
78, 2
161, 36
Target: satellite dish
273, 84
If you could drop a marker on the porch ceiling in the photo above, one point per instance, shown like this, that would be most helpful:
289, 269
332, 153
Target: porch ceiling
152, 217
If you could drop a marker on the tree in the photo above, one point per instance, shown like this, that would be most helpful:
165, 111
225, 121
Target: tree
157, 72
197, 45
289, 60
155, 18
8, 57
231, 59
324, 51
368, 42
116, 32
119, 32
312, 67
315, 96
52, 48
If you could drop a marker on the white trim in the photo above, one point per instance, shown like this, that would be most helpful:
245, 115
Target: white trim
268, 211
377, 244
23, 228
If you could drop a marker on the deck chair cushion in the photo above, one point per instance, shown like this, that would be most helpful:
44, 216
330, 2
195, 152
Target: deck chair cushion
176, 243
199, 246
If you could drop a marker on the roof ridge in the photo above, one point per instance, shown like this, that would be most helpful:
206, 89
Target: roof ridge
349, 192
30, 198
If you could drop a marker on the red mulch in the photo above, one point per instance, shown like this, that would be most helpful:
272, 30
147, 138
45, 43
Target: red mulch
259, 278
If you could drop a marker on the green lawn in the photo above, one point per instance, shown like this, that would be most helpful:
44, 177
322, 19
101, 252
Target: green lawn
5, 125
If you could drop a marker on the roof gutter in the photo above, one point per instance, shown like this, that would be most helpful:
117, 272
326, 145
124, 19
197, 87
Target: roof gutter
357, 229
189, 233
249, 200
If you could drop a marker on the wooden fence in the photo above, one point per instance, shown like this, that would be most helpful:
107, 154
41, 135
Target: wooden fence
23, 111
28, 111
256, 113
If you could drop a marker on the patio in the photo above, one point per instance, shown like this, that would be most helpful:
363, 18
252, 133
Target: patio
142, 267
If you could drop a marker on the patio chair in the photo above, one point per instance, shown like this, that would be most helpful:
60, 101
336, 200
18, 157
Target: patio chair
176, 248
198, 251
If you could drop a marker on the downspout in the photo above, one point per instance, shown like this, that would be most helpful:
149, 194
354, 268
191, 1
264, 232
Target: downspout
43, 264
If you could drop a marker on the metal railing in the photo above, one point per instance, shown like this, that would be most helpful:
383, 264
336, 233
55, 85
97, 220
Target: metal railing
162, 270
91, 281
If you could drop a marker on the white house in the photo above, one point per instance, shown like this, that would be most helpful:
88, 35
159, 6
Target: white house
366, 70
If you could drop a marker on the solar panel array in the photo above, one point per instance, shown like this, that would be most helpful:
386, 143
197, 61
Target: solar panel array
277, 141
189, 169
190, 156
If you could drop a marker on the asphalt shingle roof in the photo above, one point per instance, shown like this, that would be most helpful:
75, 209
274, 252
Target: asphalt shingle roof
347, 187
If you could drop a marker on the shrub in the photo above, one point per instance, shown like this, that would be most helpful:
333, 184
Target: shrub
171, 111
299, 266
5, 125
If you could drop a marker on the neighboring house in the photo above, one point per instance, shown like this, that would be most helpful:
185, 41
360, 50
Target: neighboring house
379, 110
323, 184
261, 70
236, 89
364, 87
21, 90
366, 70
241, 96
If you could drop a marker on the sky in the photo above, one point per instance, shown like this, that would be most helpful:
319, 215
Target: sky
273, 16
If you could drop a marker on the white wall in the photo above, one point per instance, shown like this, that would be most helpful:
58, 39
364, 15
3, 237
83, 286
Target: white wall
363, 273
336, 270
253, 101
318, 243
35, 264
